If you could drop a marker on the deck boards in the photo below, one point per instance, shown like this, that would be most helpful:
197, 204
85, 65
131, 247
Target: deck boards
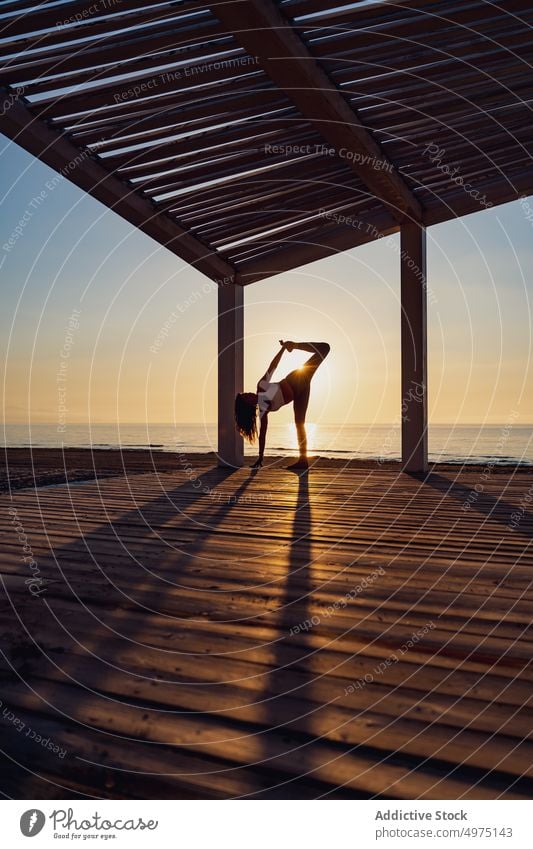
186, 645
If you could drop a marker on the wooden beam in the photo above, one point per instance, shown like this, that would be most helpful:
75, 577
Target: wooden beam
289, 254
230, 371
414, 347
76, 165
261, 28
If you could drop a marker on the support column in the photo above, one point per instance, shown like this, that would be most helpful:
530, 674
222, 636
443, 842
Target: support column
414, 347
230, 371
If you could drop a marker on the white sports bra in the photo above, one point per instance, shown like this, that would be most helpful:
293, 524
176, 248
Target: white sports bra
269, 395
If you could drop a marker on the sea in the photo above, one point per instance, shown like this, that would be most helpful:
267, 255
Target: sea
502, 444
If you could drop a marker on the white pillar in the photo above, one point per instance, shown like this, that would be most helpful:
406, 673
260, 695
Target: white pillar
414, 347
230, 371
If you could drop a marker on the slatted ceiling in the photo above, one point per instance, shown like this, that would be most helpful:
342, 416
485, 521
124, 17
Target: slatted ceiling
211, 166
58, 24
229, 143
257, 223
75, 66
193, 144
298, 10
117, 90
436, 102
473, 151
208, 84
278, 228
20, 6
499, 122
289, 199
92, 80
59, 43
244, 194
218, 144
459, 147
411, 86
237, 216
321, 15
276, 256
379, 59
116, 93
455, 148
241, 108
267, 250
294, 174
202, 215
414, 38
257, 171
411, 106
309, 224
161, 189
315, 230
247, 241
315, 194
145, 132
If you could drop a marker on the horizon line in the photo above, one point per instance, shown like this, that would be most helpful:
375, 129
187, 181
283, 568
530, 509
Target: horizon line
214, 424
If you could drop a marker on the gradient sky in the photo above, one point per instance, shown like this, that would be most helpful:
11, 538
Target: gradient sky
74, 254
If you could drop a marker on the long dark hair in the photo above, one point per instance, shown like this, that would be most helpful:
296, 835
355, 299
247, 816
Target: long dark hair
246, 418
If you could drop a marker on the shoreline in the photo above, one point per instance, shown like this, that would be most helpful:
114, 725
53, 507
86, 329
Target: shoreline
35, 468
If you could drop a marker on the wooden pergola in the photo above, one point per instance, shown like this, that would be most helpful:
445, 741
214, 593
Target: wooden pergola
252, 137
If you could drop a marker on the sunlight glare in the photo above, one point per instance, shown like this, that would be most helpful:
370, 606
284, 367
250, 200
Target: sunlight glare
292, 440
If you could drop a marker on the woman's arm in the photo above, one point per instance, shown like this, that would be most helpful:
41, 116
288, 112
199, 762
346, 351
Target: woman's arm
275, 362
262, 440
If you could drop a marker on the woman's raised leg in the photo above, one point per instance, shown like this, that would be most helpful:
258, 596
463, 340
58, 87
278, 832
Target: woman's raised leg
319, 350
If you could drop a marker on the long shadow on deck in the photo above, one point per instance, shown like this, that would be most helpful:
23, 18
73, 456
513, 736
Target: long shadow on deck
284, 694
488, 505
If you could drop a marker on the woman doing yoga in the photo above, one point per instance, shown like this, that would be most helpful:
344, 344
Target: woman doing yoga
269, 397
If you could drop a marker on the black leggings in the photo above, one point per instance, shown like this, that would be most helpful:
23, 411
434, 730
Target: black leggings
300, 380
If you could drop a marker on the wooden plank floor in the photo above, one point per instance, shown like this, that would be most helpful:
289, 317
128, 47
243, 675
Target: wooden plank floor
205, 633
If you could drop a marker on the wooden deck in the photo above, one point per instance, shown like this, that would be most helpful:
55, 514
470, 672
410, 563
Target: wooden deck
203, 633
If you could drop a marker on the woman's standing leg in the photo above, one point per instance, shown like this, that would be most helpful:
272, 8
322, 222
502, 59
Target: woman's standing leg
300, 381
301, 402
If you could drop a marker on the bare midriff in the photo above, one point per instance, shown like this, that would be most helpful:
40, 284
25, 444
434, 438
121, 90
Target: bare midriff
286, 390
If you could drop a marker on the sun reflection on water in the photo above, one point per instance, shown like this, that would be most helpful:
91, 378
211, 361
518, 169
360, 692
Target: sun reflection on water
292, 440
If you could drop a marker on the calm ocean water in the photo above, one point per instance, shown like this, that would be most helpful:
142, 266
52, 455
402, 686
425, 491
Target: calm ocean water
472, 443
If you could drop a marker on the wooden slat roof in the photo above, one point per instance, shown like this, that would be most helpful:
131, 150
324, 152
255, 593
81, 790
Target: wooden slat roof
252, 137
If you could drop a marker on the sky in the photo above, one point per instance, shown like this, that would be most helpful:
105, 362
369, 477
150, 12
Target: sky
101, 323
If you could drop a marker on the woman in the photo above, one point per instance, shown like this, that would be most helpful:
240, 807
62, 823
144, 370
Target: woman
270, 397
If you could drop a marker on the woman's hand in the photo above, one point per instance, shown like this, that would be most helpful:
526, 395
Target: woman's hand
288, 346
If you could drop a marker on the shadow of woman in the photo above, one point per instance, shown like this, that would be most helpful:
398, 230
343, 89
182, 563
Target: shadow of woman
287, 715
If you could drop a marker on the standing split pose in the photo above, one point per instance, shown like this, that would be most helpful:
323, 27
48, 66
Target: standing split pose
270, 397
